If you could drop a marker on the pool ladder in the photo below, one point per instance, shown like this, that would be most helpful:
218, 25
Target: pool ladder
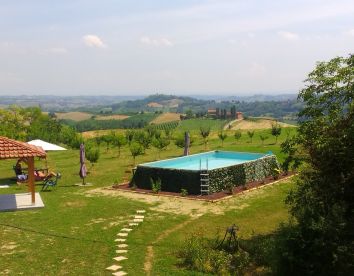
204, 178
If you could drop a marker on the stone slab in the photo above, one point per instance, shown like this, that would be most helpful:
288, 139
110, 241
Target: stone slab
126, 229
120, 258
120, 251
133, 224
13, 202
119, 273
113, 267
122, 234
139, 217
123, 245
140, 211
138, 220
120, 240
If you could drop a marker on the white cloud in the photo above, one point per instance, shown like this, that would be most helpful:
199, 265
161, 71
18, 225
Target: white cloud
156, 41
93, 41
58, 50
288, 35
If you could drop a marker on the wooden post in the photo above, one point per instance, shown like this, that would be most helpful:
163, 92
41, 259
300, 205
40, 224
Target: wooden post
31, 183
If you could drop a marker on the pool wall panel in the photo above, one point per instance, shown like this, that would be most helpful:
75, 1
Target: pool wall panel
172, 180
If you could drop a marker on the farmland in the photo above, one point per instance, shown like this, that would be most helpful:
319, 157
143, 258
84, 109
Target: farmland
166, 117
112, 117
256, 123
75, 116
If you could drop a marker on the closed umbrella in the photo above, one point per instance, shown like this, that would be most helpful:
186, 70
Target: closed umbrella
186, 143
83, 171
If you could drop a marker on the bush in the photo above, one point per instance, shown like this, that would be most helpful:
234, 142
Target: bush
184, 192
204, 255
155, 185
92, 154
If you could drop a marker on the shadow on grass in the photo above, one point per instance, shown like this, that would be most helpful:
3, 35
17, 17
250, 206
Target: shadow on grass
261, 249
8, 180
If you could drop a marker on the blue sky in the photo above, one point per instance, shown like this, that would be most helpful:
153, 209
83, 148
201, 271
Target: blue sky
113, 47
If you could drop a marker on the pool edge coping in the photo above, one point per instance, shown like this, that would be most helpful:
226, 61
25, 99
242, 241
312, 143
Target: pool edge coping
270, 153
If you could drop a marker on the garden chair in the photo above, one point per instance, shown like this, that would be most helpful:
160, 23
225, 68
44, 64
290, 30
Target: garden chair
51, 182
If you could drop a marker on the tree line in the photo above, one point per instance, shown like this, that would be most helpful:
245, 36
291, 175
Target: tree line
30, 123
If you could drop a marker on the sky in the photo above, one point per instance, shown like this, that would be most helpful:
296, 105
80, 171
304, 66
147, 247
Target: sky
185, 47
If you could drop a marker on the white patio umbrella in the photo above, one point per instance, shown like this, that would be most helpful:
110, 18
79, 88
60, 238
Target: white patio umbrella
45, 145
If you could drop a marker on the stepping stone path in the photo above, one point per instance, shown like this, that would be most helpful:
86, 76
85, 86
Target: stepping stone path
124, 233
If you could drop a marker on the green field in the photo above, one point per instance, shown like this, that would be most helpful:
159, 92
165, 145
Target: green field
194, 124
74, 234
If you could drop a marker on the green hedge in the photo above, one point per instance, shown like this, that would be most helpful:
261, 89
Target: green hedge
242, 173
173, 180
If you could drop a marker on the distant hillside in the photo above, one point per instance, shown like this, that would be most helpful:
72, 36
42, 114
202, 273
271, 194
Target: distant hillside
281, 107
169, 103
160, 102
253, 98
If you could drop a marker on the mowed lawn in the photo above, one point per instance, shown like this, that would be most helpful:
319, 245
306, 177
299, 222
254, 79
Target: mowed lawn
74, 234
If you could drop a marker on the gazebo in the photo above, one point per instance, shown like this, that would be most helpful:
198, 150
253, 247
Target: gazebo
12, 149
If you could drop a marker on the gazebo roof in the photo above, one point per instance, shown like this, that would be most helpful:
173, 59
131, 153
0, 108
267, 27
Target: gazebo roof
10, 149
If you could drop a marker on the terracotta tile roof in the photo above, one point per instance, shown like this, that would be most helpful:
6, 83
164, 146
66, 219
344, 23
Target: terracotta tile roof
11, 149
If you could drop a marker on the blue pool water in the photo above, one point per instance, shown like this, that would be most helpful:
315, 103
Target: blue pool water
214, 159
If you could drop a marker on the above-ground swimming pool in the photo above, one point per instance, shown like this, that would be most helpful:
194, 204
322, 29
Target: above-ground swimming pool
210, 171
208, 160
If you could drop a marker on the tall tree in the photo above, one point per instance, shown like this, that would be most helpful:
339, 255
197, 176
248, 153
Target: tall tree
322, 240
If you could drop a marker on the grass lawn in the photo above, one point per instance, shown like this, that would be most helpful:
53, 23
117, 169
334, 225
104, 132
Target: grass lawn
74, 234
193, 125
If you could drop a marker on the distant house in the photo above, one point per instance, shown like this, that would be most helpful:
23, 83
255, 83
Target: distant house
239, 115
212, 113
219, 113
